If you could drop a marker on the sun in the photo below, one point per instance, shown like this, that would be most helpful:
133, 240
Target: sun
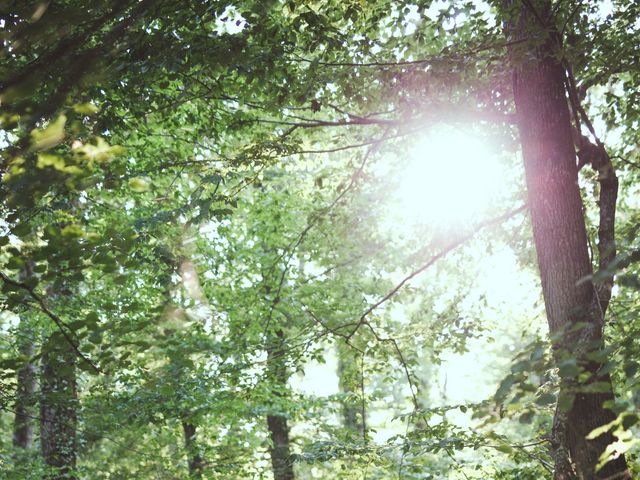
447, 179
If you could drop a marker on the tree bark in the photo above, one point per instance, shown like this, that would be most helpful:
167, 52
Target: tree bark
196, 462
26, 388
171, 313
58, 410
23, 425
353, 413
561, 241
277, 425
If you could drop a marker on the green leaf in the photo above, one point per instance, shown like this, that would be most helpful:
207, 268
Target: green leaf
546, 399
86, 109
138, 185
504, 448
50, 136
596, 432
568, 368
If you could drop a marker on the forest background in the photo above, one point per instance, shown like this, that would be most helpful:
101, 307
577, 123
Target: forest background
330, 239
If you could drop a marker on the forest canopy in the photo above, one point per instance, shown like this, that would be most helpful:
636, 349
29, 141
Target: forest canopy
321, 239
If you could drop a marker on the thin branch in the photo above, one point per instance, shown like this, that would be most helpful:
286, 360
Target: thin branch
328, 123
569, 18
405, 63
403, 362
599, 159
292, 247
452, 246
56, 319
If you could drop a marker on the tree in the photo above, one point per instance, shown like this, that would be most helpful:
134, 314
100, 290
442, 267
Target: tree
256, 128
575, 304
58, 406
23, 428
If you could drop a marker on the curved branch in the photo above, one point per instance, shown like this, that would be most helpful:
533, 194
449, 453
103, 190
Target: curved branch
55, 318
442, 253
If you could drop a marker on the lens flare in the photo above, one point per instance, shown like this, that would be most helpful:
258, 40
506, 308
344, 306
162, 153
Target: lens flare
450, 178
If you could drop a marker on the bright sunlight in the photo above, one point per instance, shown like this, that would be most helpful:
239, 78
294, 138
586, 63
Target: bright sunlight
450, 177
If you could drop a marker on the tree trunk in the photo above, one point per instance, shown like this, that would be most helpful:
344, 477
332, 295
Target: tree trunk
561, 241
277, 423
353, 411
172, 313
26, 381
58, 409
25, 392
196, 462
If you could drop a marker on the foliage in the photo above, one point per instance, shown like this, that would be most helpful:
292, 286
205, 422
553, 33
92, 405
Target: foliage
189, 186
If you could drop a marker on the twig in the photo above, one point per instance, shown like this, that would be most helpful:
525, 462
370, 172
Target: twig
405, 63
56, 319
452, 246
292, 247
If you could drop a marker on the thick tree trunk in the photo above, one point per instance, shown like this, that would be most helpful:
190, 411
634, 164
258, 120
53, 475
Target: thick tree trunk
277, 424
25, 393
561, 242
353, 411
58, 410
196, 462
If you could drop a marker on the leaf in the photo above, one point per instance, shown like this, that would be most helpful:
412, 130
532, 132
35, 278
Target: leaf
50, 136
631, 369
92, 318
505, 387
526, 417
565, 401
546, 399
596, 432
504, 448
139, 185
568, 368
86, 109
100, 151
50, 160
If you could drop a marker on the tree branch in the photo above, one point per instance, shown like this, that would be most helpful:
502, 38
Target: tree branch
596, 155
56, 319
452, 246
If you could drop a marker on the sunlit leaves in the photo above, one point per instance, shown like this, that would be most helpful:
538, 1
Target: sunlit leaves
621, 428
51, 135
139, 185
98, 151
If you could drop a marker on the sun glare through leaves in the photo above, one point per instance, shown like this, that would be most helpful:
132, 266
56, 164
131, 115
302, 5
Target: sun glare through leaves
448, 179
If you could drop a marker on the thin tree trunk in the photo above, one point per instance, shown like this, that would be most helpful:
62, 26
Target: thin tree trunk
561, 241
25, 393
26, 381
353, 411
196, 462
58, 410
276, 423
173, 313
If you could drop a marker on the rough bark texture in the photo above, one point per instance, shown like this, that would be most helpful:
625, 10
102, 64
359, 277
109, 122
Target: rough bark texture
26, 381
277, 424
196, 463
353, 411
23, 426
25, 393
58, 410
561, 240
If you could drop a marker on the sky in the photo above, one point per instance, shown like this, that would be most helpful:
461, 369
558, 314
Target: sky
452, 178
